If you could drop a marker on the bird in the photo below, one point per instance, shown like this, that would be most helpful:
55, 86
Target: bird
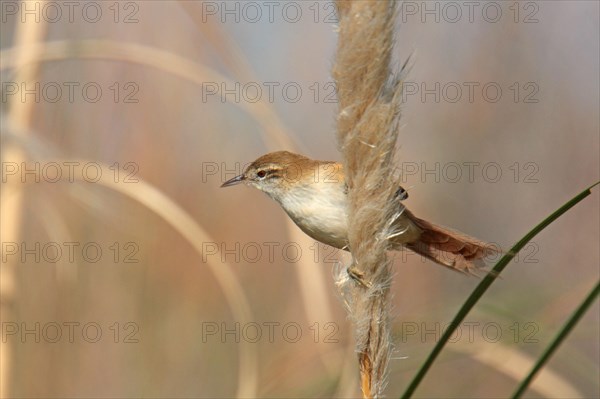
314, 194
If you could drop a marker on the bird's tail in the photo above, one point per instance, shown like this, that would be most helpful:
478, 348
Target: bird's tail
449, 248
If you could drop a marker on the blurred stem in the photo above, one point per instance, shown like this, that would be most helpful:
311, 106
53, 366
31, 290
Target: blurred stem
486, 283
558, 340
20, 118
274, 130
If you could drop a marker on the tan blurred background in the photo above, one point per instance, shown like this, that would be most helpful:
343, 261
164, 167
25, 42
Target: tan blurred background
131, 274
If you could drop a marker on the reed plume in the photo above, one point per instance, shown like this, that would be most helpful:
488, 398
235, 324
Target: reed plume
367, 129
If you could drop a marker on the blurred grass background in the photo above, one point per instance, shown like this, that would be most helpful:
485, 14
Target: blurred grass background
176, 134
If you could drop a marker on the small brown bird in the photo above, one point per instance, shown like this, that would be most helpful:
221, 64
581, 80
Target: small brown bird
314, 194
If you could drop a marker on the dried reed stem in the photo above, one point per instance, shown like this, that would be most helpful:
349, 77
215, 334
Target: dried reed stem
367, 126
20, 117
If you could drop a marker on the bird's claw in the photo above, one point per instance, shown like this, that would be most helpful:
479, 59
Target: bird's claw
358, 277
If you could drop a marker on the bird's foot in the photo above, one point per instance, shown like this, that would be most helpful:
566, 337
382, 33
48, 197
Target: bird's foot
358, 277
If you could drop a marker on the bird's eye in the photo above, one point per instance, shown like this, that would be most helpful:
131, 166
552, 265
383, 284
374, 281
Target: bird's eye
261, 174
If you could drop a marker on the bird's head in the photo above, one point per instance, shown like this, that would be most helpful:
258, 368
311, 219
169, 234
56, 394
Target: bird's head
276, 173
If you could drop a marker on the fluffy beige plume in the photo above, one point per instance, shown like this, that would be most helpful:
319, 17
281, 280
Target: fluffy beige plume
367, 129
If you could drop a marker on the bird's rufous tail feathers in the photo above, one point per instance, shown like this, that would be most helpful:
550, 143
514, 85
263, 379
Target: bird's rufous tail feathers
449, 248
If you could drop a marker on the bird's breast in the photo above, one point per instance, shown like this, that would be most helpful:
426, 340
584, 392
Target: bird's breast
320, 210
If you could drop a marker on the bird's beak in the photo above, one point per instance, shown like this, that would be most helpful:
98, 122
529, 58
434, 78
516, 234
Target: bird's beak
234, 181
